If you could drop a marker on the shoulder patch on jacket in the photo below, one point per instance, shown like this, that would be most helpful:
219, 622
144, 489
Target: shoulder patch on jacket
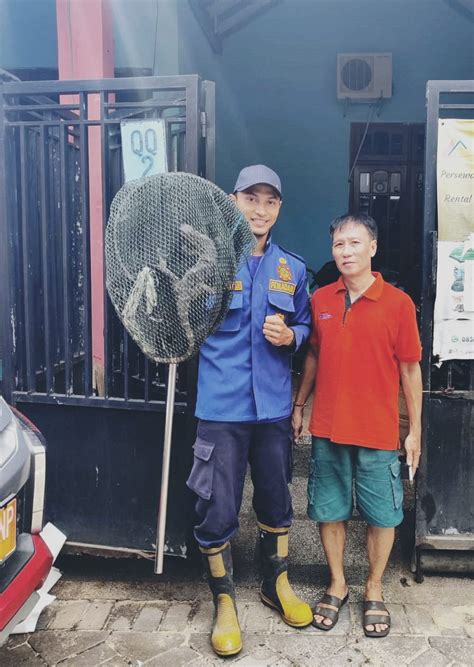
292, 254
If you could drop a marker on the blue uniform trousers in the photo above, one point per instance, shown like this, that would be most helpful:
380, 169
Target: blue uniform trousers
221, 453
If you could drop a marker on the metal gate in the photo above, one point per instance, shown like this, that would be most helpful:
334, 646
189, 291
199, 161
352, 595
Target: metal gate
445, 492
102, 414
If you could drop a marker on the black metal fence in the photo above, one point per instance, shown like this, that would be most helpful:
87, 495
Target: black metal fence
45, 234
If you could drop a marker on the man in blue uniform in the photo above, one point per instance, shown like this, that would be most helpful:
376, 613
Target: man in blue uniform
244, 408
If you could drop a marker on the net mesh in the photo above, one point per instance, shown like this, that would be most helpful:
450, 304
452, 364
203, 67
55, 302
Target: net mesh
174, 243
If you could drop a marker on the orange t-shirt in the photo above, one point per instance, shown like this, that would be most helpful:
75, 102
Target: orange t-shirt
359, 349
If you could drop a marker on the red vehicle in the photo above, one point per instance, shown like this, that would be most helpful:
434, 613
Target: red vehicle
25, 559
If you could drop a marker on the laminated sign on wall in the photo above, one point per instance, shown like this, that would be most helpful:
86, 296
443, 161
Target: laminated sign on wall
143, 148
454, 307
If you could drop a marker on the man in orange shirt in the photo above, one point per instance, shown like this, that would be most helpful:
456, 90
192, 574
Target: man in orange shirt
364, 343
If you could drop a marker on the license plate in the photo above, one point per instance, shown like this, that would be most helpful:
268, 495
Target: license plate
7, 530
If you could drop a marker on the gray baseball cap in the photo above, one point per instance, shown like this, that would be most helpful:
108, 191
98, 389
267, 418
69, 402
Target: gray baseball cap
255, 174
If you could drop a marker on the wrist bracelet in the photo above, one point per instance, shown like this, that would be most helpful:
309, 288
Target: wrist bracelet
299, 405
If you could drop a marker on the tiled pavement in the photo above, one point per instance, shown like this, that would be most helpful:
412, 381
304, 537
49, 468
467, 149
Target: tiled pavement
172, 633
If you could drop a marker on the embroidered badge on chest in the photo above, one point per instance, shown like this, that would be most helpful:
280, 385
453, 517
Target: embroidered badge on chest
284, 270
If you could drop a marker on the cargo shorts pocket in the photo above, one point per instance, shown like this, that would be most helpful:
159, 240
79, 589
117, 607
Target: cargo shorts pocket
397, 484
202, 473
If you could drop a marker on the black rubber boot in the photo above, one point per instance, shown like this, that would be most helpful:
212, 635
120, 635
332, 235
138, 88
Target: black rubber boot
225, 637
276, 591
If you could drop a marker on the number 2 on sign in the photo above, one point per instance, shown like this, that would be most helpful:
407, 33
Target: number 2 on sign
148, 144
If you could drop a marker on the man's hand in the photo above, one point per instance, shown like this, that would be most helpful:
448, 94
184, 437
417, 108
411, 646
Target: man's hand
276, 331
297, 421
413, 450
410, 375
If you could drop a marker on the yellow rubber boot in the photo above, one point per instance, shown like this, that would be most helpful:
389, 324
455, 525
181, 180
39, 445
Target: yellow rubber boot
225, 638
276, 591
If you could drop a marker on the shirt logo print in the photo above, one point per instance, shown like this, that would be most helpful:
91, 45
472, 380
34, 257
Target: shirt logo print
324, 316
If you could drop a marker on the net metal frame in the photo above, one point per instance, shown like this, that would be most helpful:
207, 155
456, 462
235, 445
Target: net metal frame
173, 245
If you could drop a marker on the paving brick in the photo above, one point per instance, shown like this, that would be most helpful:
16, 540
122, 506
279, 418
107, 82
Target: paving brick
256, 618
18, 656
202, 620
175, 658
251, 645
430, 658
122, 616
93, 656
261, 655
68, 614
95, 616
54, 646
307, 649
149, 618
116, 662
202, 662
451, 620
46, 615
16, 640
420, 620
460, 651
391, 651
176, 617
142, 646
346, 656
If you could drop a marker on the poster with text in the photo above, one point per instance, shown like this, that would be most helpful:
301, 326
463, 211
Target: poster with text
453, 336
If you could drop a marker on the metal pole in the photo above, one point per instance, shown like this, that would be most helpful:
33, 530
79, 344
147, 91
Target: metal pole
165, 469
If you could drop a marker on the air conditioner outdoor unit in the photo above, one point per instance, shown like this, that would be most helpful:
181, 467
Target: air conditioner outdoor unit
364, 77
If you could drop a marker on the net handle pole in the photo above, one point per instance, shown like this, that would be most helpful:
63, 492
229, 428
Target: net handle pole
165, 470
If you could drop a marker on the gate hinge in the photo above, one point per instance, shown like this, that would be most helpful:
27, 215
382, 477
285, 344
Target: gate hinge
203, 124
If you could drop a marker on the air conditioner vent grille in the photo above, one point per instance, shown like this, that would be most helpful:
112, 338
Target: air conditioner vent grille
356, 74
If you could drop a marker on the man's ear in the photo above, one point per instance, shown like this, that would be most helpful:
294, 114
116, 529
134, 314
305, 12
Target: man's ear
373, 248
233, 197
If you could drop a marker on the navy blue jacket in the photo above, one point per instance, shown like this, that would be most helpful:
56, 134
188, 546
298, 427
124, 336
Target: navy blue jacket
243, 377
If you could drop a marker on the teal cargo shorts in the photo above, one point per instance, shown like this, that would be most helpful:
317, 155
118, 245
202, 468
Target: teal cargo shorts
335, 470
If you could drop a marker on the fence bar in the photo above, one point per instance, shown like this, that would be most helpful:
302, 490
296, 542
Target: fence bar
28, 310
66, 280
72, 123
43, 107
192, 127
150, 102
85, 218
147, 381
209, 90
97, 401
151, 83
104, 143
126, 367
6, 333
45, 241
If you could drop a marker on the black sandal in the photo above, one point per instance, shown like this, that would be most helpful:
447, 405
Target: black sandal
374, 619
327, 612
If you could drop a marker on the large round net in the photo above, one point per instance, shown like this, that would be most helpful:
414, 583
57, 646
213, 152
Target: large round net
173, 245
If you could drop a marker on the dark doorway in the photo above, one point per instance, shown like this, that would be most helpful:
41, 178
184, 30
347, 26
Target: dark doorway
387, 183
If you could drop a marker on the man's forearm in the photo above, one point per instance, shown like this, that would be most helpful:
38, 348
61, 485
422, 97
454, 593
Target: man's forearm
306, 383
412, 387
